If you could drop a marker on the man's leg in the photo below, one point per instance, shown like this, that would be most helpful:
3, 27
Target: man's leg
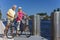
6, 29
11, 29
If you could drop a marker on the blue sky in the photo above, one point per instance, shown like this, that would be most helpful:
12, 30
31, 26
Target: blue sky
30, 6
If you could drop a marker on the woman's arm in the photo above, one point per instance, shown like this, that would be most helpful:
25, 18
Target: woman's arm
15, 16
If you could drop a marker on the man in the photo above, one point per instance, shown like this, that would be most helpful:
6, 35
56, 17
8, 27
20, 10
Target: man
10, 17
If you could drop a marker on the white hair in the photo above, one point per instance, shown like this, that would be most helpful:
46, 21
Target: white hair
20, 8
14, 6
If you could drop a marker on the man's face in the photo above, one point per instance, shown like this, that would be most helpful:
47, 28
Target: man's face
14, 8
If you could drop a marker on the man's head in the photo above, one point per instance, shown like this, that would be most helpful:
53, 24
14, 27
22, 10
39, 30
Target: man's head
14, 7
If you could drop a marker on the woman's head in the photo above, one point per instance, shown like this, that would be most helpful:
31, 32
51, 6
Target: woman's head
20, 9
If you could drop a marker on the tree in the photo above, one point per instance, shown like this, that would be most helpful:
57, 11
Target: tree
0, 14
41, 14
44, 15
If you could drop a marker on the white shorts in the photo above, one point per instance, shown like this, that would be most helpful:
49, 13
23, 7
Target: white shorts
18, 25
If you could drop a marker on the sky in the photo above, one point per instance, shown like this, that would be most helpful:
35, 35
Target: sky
30, 7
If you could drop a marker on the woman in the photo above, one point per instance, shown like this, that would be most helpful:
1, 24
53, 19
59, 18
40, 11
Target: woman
20, 15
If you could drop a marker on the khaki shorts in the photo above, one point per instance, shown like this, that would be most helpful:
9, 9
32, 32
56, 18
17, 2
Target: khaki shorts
9, 21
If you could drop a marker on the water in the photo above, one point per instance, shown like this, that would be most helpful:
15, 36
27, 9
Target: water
45, 28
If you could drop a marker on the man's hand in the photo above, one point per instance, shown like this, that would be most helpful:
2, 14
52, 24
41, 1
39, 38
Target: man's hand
10, 16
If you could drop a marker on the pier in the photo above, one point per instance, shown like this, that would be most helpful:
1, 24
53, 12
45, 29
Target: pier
36, 31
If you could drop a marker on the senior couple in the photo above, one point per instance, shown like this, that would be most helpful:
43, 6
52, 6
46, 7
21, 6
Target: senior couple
11, 15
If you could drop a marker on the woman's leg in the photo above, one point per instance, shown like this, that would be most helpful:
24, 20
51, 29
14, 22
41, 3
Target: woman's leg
18, 27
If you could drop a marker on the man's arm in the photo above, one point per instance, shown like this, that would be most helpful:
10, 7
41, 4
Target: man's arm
10, 16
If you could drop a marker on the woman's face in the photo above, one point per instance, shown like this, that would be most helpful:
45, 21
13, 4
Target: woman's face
19, 10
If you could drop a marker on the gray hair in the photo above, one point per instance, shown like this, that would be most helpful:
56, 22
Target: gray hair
14, 6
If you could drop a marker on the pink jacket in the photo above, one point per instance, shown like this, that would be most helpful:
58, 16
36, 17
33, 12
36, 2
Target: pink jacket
20, 16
